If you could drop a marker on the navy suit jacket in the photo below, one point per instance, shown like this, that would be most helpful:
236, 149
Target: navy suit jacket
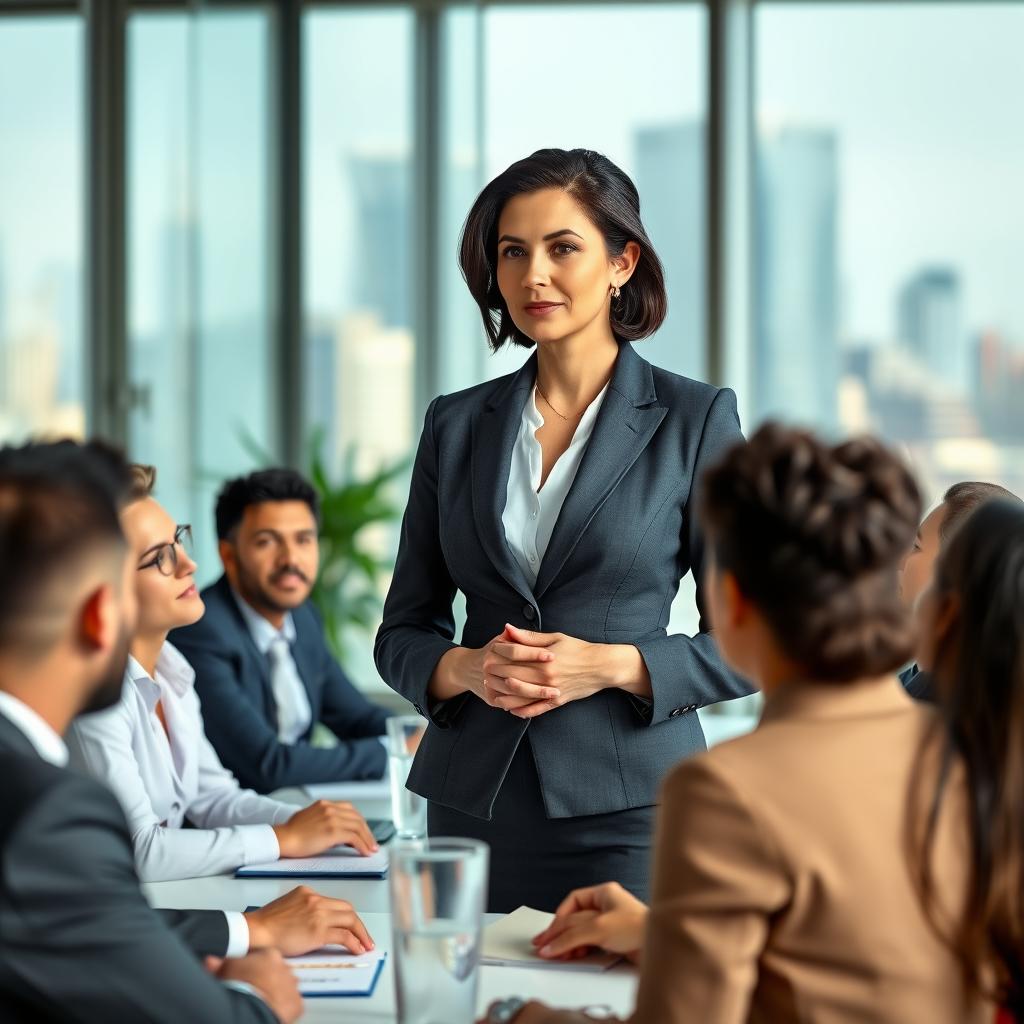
78, 942
240, 714
627, 533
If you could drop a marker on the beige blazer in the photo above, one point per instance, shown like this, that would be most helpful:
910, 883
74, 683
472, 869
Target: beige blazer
782, 891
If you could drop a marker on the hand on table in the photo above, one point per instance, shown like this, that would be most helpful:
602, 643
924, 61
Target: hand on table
267, 972
303, 920
602, 916
322, 825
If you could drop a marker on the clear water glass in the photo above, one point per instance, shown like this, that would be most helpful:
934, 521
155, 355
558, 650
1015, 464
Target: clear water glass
437, 906
408, 809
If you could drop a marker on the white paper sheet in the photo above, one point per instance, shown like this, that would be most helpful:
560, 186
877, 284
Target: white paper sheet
506, 943
340, 861
353, 792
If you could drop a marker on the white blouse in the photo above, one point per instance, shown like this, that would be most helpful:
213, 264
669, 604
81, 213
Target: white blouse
531, 513
160, 782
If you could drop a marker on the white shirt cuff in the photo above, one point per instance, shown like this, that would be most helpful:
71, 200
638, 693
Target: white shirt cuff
260, 844
238, 933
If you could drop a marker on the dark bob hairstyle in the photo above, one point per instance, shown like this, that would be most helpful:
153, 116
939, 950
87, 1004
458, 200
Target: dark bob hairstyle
607, 196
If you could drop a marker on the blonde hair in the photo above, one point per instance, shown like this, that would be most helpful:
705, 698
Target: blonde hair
143, 480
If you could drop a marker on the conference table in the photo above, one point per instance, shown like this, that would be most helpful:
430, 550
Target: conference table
614, 988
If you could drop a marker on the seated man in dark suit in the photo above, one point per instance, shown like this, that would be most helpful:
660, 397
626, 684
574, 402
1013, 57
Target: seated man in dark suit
264, 673
78, 942
919, 566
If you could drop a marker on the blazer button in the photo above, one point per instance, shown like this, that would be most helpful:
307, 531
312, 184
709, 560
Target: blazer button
675, 712
528, 612
418, 709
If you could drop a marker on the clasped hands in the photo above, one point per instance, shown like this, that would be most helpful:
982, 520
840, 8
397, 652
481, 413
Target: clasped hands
528, 673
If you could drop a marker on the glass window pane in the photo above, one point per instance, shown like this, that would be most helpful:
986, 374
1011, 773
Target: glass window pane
890, 228
42, 381
358, 265
358, 232
200, 307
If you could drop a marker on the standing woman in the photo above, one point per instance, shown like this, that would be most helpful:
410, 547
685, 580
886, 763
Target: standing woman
560, 501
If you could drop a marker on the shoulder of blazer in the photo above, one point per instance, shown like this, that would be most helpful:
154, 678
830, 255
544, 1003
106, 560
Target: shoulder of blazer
673, 389
459, 405
29, 781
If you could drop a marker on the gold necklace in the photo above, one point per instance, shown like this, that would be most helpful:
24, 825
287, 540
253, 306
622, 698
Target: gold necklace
554, 410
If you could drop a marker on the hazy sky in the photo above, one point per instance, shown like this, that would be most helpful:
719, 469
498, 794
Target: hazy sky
924, 101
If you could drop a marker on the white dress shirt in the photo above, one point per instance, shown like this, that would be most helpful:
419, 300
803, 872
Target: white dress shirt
161, 781
531, 511
294, 714
49, 746
52, 748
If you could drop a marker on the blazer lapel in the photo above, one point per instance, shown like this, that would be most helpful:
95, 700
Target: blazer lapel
262, 662
494, 436
626, 423
304, 652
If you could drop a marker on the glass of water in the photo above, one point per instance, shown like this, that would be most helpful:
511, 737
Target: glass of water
408, 809
437, 905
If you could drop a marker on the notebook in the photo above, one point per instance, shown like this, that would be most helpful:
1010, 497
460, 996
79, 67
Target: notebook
369, 789
334, 971
337, 862
506, 943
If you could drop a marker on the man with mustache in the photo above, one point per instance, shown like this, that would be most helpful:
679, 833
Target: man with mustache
264, 673
78, 942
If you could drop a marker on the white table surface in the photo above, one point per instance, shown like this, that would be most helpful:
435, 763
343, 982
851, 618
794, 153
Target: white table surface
614, 988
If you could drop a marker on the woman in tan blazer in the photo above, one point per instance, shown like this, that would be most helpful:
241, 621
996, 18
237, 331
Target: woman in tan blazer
784, 888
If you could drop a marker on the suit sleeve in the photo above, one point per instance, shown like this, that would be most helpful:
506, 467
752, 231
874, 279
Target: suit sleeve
687, 672
81, 933
205, 932
718, 879
249, 747
418, 627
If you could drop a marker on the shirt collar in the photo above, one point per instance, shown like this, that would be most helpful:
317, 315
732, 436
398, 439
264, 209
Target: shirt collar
172, 671
49, 746
263, 633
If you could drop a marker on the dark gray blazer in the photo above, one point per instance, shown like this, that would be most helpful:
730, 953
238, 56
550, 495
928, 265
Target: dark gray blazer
240, 713
626, 535
78, 942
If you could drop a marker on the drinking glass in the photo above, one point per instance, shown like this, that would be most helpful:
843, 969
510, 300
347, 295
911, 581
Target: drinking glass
437, 904
408, 809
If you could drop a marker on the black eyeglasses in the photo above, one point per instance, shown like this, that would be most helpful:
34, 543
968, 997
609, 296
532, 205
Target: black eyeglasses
165, 558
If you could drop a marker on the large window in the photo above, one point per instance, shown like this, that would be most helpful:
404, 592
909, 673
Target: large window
358, 293
890, 228
358, 234
42, 379
200, 305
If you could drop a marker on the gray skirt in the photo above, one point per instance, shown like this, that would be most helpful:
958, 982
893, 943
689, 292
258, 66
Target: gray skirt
536, 861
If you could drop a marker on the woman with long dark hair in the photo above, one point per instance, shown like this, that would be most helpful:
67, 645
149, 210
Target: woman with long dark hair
971, 622
560, 500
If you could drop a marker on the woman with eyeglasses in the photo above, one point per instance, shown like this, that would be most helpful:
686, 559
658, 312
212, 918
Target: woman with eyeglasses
150, 748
